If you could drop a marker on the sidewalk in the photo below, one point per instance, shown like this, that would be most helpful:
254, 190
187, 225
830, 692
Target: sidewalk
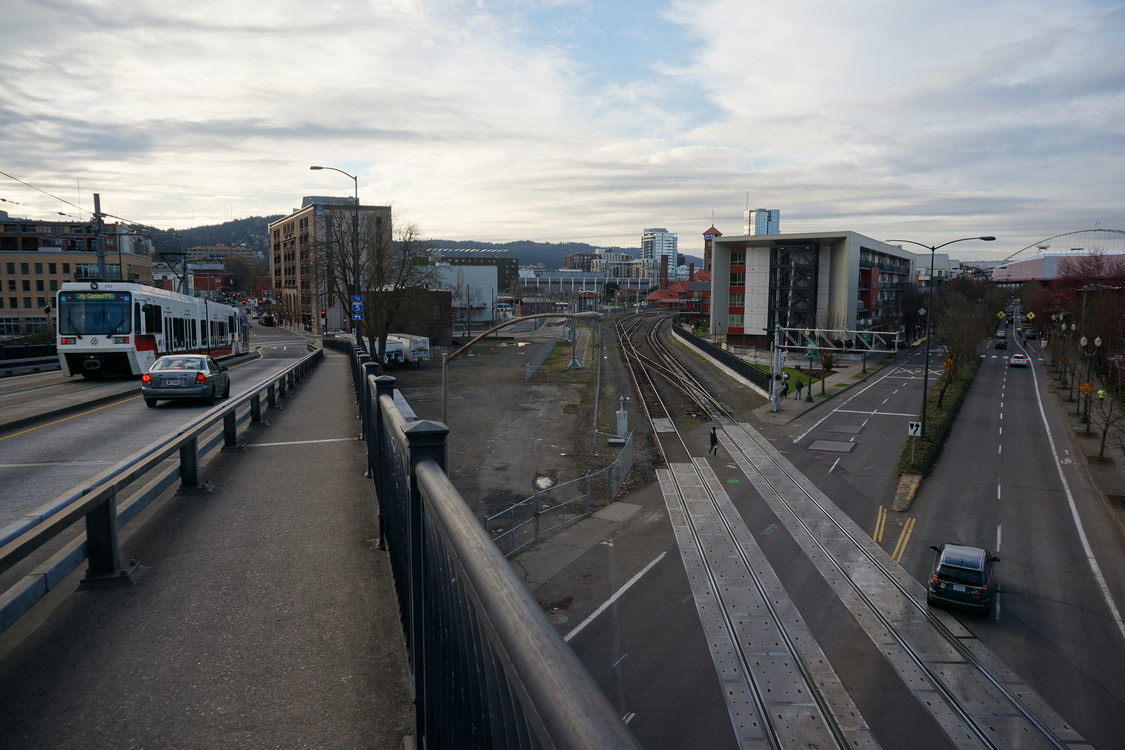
267, 616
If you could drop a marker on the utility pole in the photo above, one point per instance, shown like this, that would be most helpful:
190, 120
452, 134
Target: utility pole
99, 236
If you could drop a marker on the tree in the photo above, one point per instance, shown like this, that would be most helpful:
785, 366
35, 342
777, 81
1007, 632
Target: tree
395, 269
959, 325
1105, 411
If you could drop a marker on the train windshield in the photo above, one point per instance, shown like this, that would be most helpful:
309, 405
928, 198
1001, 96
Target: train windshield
94, 313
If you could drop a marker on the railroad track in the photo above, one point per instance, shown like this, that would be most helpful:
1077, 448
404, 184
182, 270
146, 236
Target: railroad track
779, 686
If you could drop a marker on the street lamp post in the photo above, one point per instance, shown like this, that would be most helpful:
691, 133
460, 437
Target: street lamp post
930, 314
808, 346
355, 245
1089, 354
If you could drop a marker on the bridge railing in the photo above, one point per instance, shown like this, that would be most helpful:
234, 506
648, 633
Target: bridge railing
106, 505
489, 670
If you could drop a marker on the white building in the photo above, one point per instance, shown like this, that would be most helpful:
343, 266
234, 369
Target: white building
473, 290
763, 221
656, 243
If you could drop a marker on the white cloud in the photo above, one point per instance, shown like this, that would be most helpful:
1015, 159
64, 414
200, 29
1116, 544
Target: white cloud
492, 120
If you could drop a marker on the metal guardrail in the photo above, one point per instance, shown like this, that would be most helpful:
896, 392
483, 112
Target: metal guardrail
98, 498
489, 669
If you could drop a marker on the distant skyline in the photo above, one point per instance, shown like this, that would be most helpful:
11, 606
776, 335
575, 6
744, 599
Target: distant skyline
576, 120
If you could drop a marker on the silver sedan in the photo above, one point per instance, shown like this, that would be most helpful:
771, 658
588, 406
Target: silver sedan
180, 376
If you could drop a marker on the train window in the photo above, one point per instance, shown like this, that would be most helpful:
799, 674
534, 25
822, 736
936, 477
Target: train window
153, 318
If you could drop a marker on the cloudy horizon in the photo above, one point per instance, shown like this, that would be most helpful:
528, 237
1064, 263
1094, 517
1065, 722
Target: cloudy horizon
575, 120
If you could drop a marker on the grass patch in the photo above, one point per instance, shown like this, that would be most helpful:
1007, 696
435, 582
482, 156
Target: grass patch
919, 454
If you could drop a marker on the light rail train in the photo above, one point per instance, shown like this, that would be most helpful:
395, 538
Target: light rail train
112, 329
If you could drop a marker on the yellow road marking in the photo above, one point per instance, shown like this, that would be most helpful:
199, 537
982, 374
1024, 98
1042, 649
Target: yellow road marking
880, 524
903, 539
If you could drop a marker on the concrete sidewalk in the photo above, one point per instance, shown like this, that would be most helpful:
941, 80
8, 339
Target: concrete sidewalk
266, 618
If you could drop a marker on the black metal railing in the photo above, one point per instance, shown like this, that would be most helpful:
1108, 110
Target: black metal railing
489, 669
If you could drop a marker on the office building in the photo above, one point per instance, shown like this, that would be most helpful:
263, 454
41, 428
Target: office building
657, 243
834, 280
36, 257
314, 243
763, 221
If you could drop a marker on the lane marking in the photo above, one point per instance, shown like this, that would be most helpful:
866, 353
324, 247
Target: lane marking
303, 442
903, 539
880, 524
605, 605
70, 417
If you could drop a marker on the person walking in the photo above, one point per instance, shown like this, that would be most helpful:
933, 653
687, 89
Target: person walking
799, 386
714, 443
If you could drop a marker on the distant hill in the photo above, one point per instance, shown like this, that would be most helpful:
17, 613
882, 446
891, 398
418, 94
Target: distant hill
253, 232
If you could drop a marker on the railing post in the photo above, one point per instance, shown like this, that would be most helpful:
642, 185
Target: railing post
376, 458
271, 395
230, 429
425, 440
256, 409
588, 490
189, 463
102, 551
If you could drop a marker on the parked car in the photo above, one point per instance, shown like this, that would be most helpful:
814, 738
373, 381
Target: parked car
185, 376
1018, 360
962, 576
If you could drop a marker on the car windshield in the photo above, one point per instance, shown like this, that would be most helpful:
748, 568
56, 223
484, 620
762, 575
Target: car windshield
960, 575
178, 363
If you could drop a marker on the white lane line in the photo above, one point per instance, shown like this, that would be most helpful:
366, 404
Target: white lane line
302, 442
1086, 548
605, 605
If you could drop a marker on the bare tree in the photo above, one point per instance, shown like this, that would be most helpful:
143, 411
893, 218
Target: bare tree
960, 324
1105, 412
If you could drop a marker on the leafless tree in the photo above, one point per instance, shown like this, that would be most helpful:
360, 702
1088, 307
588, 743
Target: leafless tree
960, 325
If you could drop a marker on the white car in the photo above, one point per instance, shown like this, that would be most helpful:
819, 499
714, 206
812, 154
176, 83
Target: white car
1018, 360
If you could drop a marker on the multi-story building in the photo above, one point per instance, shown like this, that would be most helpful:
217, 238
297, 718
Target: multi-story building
657, 243
763, 221
507, 267
219, 253
301, 247
580, 261
835, 280
36, 257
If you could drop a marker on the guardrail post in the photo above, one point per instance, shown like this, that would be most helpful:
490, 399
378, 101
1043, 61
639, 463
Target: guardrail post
189, 463
376, 438
230, 430
103, 555
256, 409
271, 395
425, 439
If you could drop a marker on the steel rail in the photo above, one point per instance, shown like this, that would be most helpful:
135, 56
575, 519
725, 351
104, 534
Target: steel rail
950, 638
827, 715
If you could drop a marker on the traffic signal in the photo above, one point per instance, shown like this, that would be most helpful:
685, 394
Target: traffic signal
323, 313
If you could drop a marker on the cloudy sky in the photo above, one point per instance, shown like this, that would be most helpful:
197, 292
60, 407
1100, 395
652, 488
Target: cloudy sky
575, 120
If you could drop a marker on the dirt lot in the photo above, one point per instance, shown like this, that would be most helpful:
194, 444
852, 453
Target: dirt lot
509, 436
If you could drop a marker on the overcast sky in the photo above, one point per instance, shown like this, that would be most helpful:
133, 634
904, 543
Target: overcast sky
575, 120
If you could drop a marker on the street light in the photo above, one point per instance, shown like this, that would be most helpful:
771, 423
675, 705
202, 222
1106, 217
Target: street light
930, 313
355, 244
1089, 354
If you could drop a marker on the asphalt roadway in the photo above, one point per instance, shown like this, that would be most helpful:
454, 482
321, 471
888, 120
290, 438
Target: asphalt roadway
267, 616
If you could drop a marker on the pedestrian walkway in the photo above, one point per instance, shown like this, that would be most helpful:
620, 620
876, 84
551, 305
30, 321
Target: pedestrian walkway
266, 617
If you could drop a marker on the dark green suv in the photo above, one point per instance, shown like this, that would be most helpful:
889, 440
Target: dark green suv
962, 576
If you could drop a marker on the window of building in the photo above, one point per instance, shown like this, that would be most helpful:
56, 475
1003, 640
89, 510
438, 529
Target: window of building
735, 320
27, 285
12, 303
9, 326
65, 269
27, 303
10, 268
11, 285
52, 268
39, 285
24, 269
39, 268
54, 285
737, 279
737, 299
738, 257
36, 325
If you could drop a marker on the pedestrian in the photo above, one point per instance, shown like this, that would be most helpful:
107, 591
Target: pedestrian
800, 385
784, 390
714, 443
1101, 394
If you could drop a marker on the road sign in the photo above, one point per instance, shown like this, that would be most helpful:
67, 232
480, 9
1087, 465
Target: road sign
1031, 316
914, 429
947, 363
812, 353
357, 298
1086, 389
1001, 314
357, 316
357, 307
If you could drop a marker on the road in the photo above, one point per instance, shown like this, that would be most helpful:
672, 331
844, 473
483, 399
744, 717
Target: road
41, 461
